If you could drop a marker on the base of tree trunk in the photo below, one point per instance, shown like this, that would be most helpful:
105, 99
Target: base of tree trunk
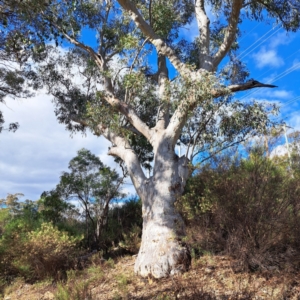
162, 253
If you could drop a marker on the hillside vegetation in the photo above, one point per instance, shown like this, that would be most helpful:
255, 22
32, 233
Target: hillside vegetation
243, 230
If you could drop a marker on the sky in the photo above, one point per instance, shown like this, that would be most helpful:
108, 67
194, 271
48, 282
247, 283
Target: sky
33, 158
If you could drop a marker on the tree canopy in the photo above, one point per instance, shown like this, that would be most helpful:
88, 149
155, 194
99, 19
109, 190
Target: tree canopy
92, 185
126, 44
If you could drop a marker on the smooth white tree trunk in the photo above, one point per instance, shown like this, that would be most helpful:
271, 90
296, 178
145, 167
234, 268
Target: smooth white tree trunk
163, 251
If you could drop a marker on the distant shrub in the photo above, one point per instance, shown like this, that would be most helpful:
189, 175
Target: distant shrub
14, 234
48, 251
37, 254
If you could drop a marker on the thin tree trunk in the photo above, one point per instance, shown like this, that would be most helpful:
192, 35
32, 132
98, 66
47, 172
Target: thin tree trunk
100, 222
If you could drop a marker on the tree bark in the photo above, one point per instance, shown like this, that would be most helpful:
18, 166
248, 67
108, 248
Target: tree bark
163, 251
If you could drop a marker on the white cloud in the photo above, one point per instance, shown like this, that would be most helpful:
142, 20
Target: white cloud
280, 94
282, 38
270, 58
33, 158
271, 95
280, 150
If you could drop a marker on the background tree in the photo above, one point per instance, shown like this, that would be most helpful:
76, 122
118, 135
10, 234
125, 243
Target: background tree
94, 186
144, 110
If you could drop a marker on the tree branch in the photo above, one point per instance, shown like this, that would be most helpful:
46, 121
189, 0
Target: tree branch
163, 78
122, 107
230, 32
203, 26
179, 117
219, 150
75, 42
251, 84
148, 31
122, 149
130, 114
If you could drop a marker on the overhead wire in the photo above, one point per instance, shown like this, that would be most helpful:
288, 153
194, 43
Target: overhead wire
241, 54
249, 32
277, 77
261, 75
260, 43
290, 101
286, 116
286, 72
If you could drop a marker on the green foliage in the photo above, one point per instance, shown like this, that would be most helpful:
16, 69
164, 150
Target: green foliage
94, 185
4, 218
38, 254
128, 71
17, 78
52, 207
119, 85
30, 248
124, 223
42, 239
246, 208
129, 42
79, 290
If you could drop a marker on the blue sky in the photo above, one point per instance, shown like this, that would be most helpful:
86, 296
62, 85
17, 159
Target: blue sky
32, 159
273, 56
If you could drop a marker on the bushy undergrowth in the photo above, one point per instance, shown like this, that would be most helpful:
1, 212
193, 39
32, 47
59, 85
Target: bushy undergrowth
34, 247
124, 227
48, 251
248, 208
38, 254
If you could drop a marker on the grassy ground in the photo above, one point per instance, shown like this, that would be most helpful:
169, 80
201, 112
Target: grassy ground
211, 277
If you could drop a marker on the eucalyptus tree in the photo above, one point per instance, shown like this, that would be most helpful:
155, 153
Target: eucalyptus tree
94, 186
125, 72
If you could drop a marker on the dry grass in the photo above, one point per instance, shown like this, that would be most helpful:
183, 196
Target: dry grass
211, 277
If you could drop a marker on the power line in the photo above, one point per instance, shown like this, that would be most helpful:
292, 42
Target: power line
241, 54
279, 76
267, 71
290, 101
249, 32
260, 43
288, 71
